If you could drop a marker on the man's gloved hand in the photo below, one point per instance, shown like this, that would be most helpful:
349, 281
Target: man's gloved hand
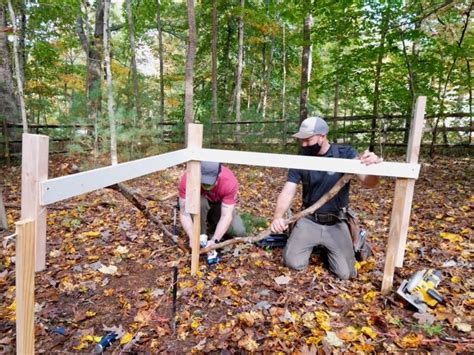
369, 158
279, 225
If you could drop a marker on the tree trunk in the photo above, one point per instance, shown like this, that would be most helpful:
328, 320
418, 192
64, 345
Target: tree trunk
133, 62
214, 113
336, 109
227, 59
283, 88
238, 83
92, 46
3, 213
267, 78
110, 92
469, 76
306, 67
448, 77
378, 72
21, 40
9, 105
160, 53
190, 57
16, 57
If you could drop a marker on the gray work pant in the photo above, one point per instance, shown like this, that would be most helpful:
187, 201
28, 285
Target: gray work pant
211, 214
335, 239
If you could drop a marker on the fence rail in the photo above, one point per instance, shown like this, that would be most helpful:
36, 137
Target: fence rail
355, 129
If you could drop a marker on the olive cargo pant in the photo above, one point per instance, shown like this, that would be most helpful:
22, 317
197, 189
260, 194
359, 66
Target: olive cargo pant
210, 215
334, 238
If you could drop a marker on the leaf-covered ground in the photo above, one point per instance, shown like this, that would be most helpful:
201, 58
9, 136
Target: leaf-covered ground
110, 268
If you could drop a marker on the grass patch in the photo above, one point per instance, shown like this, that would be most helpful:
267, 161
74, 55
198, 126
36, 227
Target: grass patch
253, 223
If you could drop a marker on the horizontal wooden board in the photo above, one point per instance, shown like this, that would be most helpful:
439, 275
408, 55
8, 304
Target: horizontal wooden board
351, 166
64, 187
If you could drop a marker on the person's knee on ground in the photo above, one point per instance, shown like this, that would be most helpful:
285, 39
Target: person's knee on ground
294, 260
345, 273
237, 226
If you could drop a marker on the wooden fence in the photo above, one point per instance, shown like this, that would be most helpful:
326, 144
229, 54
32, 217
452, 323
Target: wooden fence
38, 192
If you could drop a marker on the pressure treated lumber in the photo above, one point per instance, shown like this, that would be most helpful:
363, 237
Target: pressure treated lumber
193, 193
25, 286
34, 170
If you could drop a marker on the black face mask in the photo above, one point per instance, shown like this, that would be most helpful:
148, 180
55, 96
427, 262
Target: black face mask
311, 150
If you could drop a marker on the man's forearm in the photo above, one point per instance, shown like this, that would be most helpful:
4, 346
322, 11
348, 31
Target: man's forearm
187, 223
222, 227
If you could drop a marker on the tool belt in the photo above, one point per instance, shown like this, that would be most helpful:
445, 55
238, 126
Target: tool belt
328, 218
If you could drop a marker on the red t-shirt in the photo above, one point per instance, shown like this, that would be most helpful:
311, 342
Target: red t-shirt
224, 191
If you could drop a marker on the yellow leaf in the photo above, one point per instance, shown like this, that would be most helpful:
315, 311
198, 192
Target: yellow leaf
369, 331
126, 338
12, 306
412, 340
348, 334
455, 238
370, 296
90, 314
109, 292
195, 324
323, 320
456, 279
91, 234
92, 258
450, 219
248, 344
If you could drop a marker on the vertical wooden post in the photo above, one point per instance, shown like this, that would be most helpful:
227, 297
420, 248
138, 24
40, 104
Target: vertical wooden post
402, 201
193, 192
25, 286
34, 169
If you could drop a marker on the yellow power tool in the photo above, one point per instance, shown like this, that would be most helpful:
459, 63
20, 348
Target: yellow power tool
419, 290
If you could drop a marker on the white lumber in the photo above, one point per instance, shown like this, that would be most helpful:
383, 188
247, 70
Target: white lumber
350, 166
64, 187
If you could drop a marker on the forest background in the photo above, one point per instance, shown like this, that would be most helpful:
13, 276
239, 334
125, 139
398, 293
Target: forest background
256, 69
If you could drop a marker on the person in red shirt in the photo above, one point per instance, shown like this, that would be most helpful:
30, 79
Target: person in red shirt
219, 189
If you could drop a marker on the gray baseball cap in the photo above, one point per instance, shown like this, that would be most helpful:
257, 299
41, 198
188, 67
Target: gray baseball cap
209, 172
312, 126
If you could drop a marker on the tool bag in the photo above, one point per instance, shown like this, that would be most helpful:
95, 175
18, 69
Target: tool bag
362, 248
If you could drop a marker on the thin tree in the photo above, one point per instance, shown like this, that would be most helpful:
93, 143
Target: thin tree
214, 63
16, 57
306, 67
110, 93
92, 45
238, 83
283, 87
160, 53
133, 65
448, 78
133, 60
378, 72
189, 75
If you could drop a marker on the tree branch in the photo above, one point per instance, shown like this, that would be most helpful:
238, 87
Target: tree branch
325, 198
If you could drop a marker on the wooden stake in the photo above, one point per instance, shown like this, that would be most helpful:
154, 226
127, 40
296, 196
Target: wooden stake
193, 192
25, 286
402, 201
413, 153
34, 170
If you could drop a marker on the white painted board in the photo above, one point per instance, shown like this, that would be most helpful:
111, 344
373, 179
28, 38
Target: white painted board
350, 166
64, 187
